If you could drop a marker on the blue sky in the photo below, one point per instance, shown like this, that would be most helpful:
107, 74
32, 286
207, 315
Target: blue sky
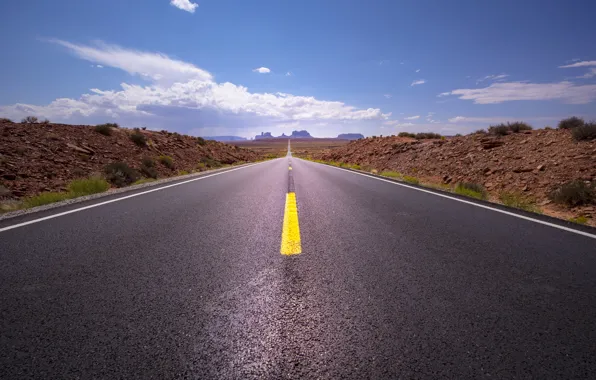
223, 67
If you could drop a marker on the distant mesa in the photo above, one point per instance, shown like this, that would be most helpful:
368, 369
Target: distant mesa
264, 135
294, 135
225, 138
300, 135
350, 136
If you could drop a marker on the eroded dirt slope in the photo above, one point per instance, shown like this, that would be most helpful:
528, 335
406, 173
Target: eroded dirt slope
531, 163
45, 157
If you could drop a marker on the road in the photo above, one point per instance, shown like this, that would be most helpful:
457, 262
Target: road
390, 282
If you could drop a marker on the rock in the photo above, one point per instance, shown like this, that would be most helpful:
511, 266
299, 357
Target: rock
9, 177
522, 170
490, 143
447, 180
81, 150
4, 191
541, 167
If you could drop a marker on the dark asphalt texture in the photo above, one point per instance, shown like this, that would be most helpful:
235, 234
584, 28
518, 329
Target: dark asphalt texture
188, 283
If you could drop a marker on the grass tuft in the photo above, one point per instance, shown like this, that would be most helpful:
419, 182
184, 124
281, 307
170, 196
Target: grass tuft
45, 198
579, 220
472, 190
88, 186
391, 174
143, 180
516, 200
412, 180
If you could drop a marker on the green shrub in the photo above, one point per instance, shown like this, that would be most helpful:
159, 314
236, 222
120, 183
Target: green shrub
516, 200
498, 130
120, 174
427, 135
585, 132
183, 172
45, 198
518, 126
480, 132
573, 193
391, 174
470, 189
148, 168
138, 138
5, 120
212, 163
29, 120
167, 161
201, 141
111, 125
406, 134
571, 123
104, 129
412, 180
148, 162
80, 187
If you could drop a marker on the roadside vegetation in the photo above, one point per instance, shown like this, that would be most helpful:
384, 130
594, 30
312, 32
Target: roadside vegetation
470, 189
574, 193
516, 200
505, 129
76, 188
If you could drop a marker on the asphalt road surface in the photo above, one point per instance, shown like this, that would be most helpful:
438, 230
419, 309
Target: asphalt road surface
391, 282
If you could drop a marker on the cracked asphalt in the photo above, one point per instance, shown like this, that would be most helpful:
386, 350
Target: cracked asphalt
189, 283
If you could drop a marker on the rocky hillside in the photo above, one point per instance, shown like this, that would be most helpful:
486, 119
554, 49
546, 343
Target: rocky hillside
44, 157
530, 163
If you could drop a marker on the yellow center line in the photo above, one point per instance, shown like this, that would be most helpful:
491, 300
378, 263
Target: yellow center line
290, 168
290, 236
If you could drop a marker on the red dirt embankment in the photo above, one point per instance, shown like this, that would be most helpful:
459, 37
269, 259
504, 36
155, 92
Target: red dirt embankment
531, 163
44, 157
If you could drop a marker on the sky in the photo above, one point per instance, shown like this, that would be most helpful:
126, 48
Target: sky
224, 67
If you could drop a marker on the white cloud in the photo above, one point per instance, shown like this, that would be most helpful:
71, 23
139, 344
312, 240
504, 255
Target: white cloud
494, 78
579, 64
417, 82
412, 117
443, 94
405, 124
289, 74
185, 5
418, 70
383, 61
388, 96
504, 92
262, 70
589, 74
185, 97
498, 119
150, 66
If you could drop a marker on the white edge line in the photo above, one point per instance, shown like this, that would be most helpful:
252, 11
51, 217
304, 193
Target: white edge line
468, 202
122, 198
